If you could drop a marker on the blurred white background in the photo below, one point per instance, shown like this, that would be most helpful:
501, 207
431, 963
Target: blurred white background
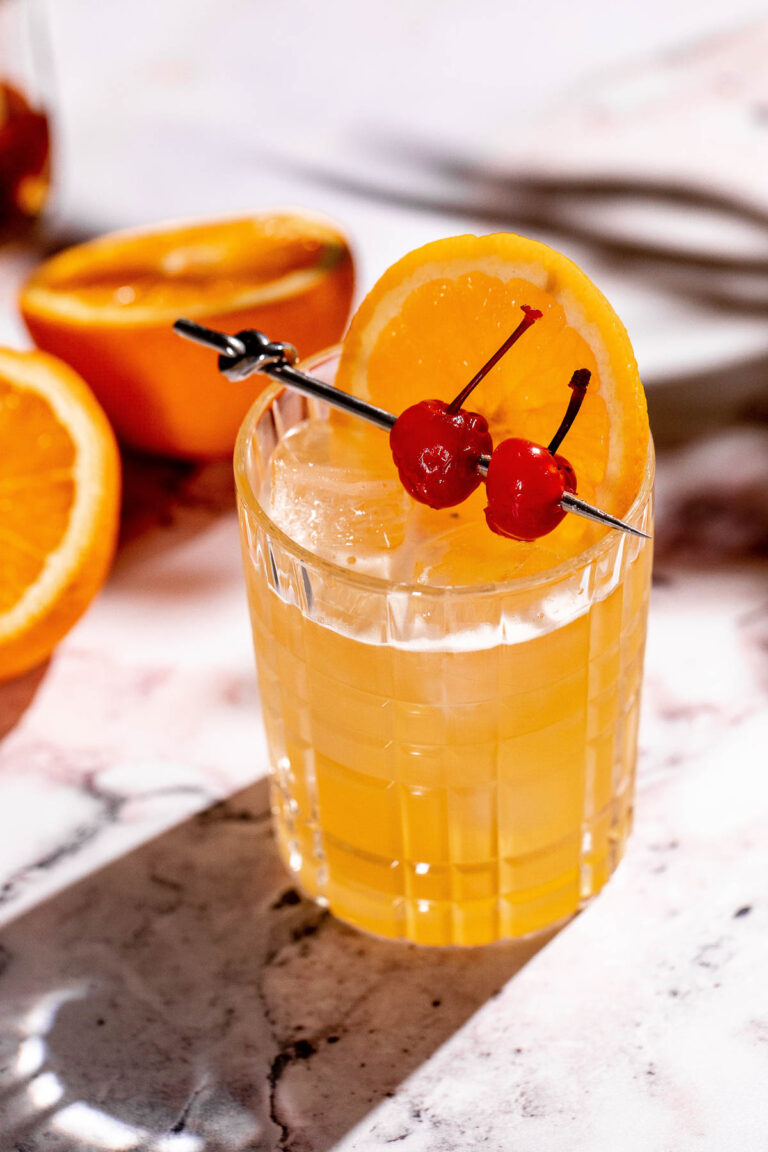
170, 109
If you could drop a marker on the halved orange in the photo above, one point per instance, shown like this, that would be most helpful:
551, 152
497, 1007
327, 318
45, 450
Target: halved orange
59, 504
107, 307
439, 313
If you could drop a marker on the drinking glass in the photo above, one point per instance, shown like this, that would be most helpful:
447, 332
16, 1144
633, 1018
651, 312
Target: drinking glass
448, 765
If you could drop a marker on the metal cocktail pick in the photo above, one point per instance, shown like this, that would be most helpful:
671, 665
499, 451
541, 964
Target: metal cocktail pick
251, 351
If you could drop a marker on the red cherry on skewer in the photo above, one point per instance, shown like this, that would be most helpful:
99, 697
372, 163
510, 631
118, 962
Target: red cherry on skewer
437, 446
526, 481
437, 452
525, 486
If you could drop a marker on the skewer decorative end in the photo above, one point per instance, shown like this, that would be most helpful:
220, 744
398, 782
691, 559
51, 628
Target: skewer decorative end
221, 342
241, 355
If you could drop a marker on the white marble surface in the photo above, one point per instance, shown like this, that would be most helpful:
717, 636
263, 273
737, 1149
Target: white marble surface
162, 987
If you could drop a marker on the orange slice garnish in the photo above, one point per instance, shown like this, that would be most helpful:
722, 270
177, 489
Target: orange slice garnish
439, 313
59, 504
107, 307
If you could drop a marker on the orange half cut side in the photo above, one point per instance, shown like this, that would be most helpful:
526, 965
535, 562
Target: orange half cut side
107, 308
59, 504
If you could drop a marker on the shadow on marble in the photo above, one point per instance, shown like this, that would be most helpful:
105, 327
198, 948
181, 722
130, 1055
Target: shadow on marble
16, 696
187, 989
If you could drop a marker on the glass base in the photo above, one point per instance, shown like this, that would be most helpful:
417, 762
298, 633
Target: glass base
455, 916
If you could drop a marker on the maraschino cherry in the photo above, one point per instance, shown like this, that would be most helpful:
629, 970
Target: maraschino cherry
526, 481
437, 447
437, 452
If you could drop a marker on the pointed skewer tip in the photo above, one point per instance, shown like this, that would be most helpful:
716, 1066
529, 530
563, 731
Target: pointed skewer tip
572, 503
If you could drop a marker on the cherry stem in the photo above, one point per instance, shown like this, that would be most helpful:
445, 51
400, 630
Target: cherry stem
531, 316
578, 386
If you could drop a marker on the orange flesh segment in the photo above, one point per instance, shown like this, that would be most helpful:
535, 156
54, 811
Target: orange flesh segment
36, 488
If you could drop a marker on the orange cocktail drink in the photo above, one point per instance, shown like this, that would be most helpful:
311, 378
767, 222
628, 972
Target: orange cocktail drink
449, 765
451, 716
